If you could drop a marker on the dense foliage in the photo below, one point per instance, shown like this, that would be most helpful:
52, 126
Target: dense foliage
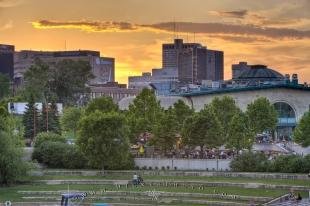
12, 167
239, 132
55, 154
64, 81
4, 86
203, 129
48, 137
262, 115
143, 114
70, 120
103, 140
257, 162
49, 120
302, 131
31, 120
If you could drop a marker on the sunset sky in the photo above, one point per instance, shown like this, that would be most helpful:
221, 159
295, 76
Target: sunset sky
271, 32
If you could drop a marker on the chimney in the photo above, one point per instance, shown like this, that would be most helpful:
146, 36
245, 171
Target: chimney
295, 79
287, 78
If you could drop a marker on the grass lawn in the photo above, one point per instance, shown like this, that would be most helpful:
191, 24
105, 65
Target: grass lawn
11, 192
183, 178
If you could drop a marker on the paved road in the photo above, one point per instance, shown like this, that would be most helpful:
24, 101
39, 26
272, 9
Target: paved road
304, 202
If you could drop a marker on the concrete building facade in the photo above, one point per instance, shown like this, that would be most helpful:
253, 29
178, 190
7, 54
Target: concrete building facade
291, 101
103, 68
114, 90
7, 60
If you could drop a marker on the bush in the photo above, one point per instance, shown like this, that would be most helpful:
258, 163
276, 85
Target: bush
12, 167
291, 164
48, 136
250, 162
257, 162
59, 155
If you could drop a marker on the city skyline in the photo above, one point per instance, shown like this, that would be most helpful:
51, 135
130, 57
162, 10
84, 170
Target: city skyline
275, 33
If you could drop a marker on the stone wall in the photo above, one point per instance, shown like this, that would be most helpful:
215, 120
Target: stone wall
299, 100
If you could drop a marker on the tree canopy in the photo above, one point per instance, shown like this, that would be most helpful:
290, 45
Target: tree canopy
240, 135
103, 104
12, 167
165, 133
70, 119
302, 131
4, 85
203, 129
181, 111
65, 81
225, 109
143, 113
262, 115
103, 140
31, 120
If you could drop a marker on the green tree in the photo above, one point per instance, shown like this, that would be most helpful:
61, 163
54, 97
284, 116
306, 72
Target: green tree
4, 86
302, 131
70, 119
203, 129
262, 115
224, 108
240, 134
31, 120
143, 113
102, 104
181, 111
36, 81
102, 138
48, 137
166, 132
65, 81
12, 167
49, 118
250, 162
69, 79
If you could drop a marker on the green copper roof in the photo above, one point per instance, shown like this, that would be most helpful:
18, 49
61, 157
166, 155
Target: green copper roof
240, 89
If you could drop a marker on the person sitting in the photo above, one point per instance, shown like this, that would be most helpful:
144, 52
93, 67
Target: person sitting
135, 179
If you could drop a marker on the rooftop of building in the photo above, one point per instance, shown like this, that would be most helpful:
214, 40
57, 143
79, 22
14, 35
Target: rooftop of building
260, 72
61, 53
240, 89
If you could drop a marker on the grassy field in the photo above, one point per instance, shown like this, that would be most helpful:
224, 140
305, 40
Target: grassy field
183, 178
12, 194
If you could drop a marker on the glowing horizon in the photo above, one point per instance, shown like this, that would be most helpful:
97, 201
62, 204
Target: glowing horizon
272, 32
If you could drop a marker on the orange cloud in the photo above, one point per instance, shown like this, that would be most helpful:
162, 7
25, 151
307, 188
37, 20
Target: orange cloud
183, 27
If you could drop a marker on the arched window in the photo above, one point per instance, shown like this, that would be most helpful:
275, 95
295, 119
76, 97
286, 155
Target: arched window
286, 113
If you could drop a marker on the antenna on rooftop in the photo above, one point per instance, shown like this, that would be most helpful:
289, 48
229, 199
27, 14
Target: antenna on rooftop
174, 28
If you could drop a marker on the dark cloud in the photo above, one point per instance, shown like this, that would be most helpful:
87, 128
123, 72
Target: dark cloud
241, 39
231, 14
220, 28
182, 27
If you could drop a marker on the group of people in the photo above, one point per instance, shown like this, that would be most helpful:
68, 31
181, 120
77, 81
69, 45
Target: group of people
295, 197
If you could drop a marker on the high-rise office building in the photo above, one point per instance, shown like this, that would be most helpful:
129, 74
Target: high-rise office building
7, 60
215, 65
193, 62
